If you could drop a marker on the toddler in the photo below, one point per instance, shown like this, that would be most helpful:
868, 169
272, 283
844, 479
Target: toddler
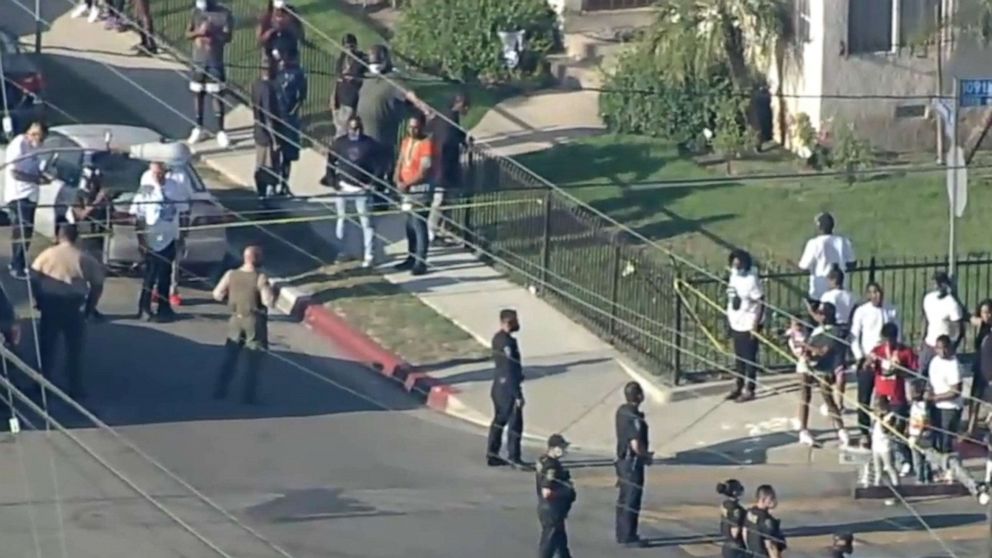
919, 418
884, 423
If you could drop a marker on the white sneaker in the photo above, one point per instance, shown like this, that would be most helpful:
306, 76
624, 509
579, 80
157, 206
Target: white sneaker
905, 469
195, 135
805, 438
79, 11
94, 14
824, 410
222, 140
368, 262
844, 438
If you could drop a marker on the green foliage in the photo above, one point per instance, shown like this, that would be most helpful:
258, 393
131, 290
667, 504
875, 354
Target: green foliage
640, 97
851, 154
459, 38
732, 138
817, 155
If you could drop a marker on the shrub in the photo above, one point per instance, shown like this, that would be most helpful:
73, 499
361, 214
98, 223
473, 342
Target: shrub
459, 39
850, 153
640, 97
732, 136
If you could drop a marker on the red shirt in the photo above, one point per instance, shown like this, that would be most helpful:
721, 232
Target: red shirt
890, 373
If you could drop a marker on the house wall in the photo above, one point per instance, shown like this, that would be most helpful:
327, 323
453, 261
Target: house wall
795, 79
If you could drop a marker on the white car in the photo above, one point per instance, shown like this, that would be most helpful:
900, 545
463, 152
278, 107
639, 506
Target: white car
121, 165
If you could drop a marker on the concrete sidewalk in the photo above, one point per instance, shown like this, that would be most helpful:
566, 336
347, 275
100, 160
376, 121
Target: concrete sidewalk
574, 379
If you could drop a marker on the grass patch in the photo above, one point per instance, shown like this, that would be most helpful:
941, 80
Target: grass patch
893, 216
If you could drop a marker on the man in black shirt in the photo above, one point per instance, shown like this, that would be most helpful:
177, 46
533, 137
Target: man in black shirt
555, 496
265, 105
352, 166
449, 139
762, 532
827, 353
291, 92
349, 71
506, 393
632, 457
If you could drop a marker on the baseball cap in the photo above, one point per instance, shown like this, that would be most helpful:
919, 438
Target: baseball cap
557, 441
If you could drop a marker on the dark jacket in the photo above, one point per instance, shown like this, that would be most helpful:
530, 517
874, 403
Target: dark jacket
265, 104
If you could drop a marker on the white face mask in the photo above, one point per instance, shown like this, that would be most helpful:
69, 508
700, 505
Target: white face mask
354, 135
557, 453
201, 4
375, 68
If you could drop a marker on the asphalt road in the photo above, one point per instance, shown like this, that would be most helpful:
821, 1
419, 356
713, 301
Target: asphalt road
335, 462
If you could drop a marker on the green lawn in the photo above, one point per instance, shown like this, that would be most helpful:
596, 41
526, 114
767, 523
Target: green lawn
898, 215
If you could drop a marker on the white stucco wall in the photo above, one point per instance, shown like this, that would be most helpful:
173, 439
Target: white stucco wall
826, 69
801, 78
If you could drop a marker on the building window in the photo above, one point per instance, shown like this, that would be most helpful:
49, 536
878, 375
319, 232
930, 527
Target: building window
869, 26
802, 21
917, 21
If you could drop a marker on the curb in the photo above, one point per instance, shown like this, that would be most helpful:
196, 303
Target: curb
428, 390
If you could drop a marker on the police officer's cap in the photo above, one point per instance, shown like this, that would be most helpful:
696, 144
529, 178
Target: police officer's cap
632, 391
557, 441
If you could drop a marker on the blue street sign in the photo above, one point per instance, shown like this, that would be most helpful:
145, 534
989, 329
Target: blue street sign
975, 92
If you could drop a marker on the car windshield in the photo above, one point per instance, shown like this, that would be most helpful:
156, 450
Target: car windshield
120, 172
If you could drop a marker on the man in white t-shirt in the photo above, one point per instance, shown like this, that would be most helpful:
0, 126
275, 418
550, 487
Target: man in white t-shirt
745, 311
942, 315
822, 253
944, 374
156, 208
24, 176
866, 334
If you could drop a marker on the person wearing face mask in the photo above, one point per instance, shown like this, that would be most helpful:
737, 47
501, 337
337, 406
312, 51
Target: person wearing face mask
383, 104
280, 33
249, 295
156, 211
843, 545
632, 457
745, 312
942, 315
507, 394
555, 496
210, 29
450, 139
25, 174
763, 532
414, 178
352, 165
350, 70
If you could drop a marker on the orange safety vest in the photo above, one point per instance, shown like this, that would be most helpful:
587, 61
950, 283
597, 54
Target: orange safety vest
412, 153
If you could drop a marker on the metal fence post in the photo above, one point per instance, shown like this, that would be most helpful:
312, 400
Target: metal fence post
615, 289
546, 240
677, 357
871, 270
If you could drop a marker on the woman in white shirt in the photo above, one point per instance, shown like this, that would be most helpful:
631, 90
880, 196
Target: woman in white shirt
945, 392
744, 314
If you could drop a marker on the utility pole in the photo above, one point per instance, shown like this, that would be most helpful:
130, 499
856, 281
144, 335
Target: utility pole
952, 241
940, 81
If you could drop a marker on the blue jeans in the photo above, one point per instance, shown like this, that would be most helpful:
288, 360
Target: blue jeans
22, 221
417, 236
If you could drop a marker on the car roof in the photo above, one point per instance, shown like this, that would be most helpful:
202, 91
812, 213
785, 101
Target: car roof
91, 136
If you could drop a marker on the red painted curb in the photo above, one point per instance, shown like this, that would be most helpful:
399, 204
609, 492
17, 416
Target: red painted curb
361, 347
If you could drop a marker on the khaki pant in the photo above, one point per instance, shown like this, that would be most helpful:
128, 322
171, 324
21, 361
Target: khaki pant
251, 331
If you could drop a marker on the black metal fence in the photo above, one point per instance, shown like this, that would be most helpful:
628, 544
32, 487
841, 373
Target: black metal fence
615, 285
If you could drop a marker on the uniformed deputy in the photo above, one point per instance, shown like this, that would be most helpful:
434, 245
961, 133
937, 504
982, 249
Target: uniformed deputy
506, 393
248, 295
843, 545
67, 284
762, 532
632, 457
732, 519
555, 496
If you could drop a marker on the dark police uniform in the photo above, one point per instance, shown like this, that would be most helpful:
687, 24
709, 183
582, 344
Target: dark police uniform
732, 516
553, 511
506, 390
762, 527
630, 425
247, 328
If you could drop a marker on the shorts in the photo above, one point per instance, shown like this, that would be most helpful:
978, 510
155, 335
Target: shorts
210, 79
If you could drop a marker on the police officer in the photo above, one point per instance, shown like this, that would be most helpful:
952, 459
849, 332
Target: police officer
506, 393
555, 496
732, 519
248, 294
632, 457
843, 545
67, 284
762, 532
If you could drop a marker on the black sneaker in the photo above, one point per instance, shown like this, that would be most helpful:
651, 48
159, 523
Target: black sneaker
496, 461
418, 270
165, 314
406, 264
733, 395
17, 273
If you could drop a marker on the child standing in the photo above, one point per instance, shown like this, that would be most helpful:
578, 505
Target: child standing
884, 423
919, 419
796, 337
